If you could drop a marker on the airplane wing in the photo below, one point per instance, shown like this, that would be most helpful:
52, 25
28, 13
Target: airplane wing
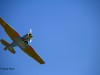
31, 52
10, 31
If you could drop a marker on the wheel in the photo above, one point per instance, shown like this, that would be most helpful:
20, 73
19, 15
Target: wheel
22, 39
26, 42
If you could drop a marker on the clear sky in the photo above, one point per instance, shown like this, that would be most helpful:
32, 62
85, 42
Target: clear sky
66, 35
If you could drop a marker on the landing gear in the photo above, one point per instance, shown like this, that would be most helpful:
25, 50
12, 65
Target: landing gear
26, 42
22, 39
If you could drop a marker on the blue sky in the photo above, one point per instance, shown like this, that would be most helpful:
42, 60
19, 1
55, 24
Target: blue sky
66, 35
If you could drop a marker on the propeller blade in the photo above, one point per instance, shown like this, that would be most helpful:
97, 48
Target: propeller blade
31, 31
30, 40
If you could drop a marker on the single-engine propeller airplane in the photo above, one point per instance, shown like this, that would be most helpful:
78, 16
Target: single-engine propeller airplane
21, 42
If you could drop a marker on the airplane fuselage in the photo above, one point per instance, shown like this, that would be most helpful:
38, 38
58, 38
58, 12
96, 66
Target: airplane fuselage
20, 42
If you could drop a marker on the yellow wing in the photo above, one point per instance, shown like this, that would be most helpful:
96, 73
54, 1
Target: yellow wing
31, 52
10, 31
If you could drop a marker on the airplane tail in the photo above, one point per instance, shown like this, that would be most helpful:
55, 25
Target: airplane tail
11, 49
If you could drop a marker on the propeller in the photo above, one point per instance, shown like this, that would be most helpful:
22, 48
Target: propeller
30, 30
31, 34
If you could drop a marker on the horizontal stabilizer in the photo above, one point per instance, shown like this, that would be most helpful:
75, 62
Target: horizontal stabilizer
11, 49
4, 42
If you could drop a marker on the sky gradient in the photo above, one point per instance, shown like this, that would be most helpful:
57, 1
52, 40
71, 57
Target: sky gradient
66, 35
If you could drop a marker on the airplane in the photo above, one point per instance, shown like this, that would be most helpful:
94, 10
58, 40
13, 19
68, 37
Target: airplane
20, 41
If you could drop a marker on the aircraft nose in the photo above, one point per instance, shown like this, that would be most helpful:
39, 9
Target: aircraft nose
29, 34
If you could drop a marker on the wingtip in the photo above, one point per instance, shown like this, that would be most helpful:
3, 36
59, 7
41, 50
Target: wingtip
42, 62
0, 40
1, 17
